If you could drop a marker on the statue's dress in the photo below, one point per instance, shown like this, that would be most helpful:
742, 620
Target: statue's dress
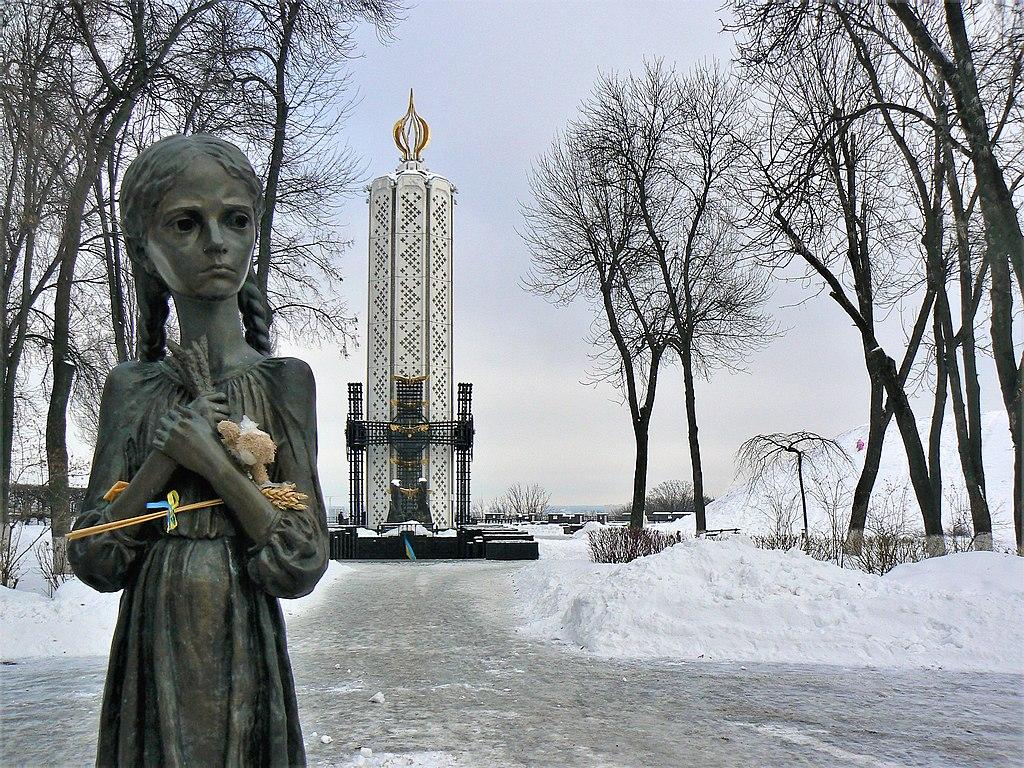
199, 673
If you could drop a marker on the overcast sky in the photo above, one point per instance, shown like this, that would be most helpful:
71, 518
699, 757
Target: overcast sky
497, 81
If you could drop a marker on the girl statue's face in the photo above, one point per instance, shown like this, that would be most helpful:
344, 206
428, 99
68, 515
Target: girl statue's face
201, 237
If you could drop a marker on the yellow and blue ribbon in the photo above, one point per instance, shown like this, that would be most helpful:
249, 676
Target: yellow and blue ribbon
171, 505
408, 547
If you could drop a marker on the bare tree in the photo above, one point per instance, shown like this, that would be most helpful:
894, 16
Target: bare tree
670, 496
37, 143
586, 240
526, 500
674, 141
763, 456
902, 80
1005, 241
125, 46
286, 62
973, 56
832, 194
110, 77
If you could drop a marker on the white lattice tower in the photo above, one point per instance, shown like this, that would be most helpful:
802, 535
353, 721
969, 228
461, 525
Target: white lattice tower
410, 317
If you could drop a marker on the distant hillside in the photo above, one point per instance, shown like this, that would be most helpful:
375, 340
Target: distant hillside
752, 510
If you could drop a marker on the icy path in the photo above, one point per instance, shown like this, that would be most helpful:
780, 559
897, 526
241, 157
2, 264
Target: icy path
462, 689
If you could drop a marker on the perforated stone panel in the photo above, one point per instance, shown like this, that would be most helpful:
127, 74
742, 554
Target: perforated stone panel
409, 275
378, 343
439, 344
378, 346
378, 479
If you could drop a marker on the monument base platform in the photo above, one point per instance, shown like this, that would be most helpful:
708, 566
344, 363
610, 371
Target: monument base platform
467, 543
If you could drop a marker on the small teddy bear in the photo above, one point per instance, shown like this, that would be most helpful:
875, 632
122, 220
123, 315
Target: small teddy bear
252, 447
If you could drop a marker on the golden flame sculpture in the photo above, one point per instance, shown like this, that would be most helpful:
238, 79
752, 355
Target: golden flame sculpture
412, 134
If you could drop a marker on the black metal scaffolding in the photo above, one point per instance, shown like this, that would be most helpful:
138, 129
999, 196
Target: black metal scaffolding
463, 455
408, 436
356, 493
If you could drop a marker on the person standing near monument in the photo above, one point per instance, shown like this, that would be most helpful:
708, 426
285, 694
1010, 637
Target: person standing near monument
199, 672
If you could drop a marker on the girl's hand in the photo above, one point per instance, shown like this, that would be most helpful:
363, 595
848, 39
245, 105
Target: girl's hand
213, 407
187, 434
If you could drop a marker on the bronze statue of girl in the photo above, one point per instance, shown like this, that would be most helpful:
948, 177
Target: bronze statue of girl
199, 673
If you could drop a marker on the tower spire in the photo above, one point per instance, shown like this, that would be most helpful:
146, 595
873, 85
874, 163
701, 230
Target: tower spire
412, 134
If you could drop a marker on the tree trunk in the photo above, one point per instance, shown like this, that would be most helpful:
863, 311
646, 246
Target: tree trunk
641, 431
966, 392
938, 414
917, 463
1011, 379
111, 260
969, 440
981, 518
700, 514
878, 423
281, 115
12, 349
6, 444
803, 498
12, 352
62, 368
56, 416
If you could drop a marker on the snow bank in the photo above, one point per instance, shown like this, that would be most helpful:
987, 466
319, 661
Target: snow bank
728, 600
554, 544
684, 526
543, 530
78, 621
584, 532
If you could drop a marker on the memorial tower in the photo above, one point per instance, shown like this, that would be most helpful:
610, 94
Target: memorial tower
416, 450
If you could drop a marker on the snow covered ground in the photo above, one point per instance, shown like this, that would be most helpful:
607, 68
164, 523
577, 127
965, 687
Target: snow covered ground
730, 601
79, 621
464, 689
751, 509
700, 600
402, 760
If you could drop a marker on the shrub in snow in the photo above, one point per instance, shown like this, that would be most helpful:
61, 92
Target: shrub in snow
10, 568
54, 572
16, 559
890, 538
784, 540
622, 545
